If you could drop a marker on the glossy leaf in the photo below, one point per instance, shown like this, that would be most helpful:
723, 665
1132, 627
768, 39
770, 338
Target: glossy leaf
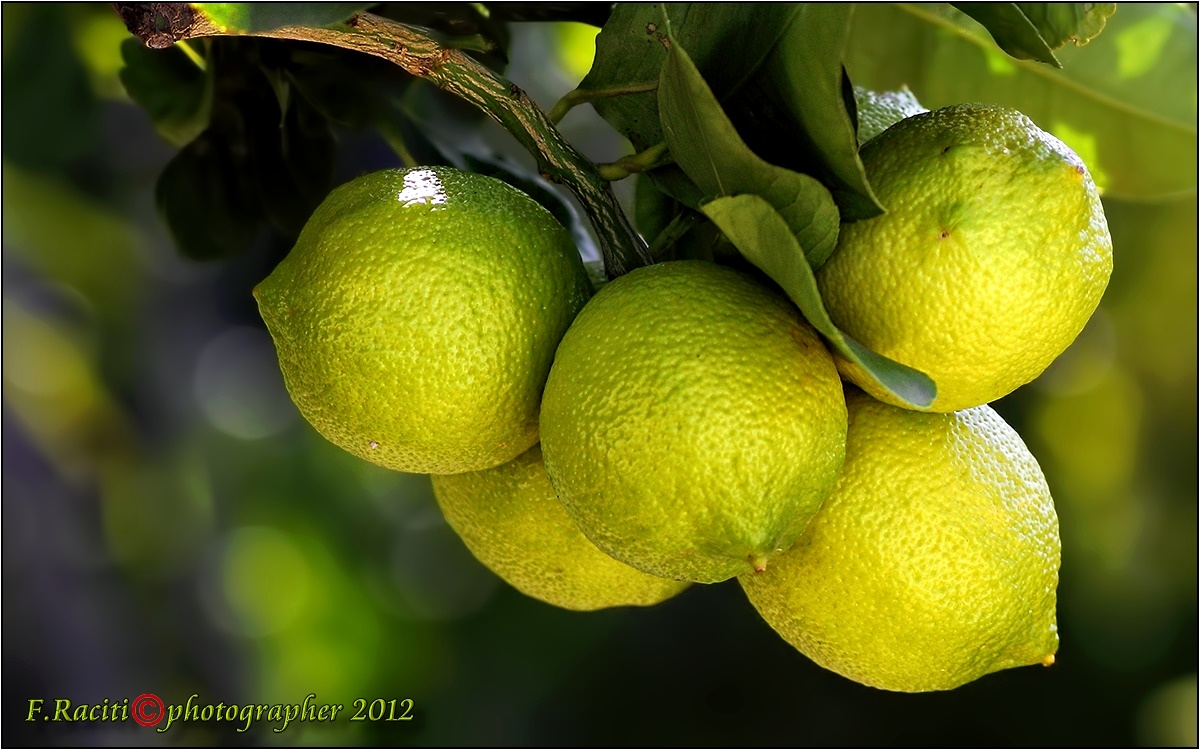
173, 90
1059, 23
728, 42
799, 98
267, 16
706, 146
1126, 102
1012, 30
762, 236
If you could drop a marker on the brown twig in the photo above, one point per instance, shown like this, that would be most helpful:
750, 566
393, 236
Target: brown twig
162, 24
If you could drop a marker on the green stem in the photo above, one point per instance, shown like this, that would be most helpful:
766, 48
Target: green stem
634, 163
573, 99
449, 69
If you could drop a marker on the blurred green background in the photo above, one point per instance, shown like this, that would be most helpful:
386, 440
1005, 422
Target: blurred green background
171, 525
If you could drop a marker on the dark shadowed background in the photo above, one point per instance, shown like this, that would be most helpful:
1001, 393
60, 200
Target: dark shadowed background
172, 526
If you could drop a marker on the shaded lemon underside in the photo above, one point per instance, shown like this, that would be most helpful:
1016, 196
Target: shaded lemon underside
933, 562
511, 520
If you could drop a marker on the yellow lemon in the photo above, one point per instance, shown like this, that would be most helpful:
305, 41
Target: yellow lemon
692, 422
992, 255
511, 520
416, 318
933, 562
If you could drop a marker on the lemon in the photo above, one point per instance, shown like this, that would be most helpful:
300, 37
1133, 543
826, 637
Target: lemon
692, 422
879, 110
934, 562
992, 255
511, 520
416, 319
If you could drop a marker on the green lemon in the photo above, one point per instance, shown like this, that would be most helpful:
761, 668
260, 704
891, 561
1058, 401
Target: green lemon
879, 110
933, 562
416, 318
692, 422
511, 520
992, 255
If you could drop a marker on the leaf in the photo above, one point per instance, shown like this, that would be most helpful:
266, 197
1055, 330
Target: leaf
207, 201
291, 155
799, 98
653, 210
728, 41
762, 236
267, 16
1059, 23
706, 146
175, 93
1126, 103
1012, 30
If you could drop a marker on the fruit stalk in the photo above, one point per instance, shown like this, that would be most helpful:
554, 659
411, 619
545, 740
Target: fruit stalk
161, 24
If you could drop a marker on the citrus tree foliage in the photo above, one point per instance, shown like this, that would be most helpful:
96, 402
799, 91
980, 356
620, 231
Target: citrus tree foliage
742, 117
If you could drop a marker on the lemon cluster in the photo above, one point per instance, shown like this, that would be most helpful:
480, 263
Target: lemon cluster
693, 427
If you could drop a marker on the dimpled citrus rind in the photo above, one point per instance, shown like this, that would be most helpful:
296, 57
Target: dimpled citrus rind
992, 256
934, 561
511, 520
879, 110
417, 316
692, 422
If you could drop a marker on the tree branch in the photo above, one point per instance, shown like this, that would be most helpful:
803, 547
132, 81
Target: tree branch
161, 24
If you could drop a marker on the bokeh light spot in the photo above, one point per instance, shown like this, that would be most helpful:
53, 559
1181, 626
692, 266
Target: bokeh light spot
239, 387
265, 580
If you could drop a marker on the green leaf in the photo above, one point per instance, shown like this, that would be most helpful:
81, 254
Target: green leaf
176, 93
207, 201
653, 209
762, 236
1059, 23
291, 155
267, 16
799, 98
706, 146
728, 41
1012, 30
1126, 103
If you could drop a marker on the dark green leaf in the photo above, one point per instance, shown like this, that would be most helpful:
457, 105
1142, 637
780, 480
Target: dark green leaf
653, 210
348, 88
267, 16
205, 198
170, 87
1012, 30
799, 98
762, 236
706, 146
595, 14
728, 42
1126, 102
674, 182
292, 162
1059, 23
